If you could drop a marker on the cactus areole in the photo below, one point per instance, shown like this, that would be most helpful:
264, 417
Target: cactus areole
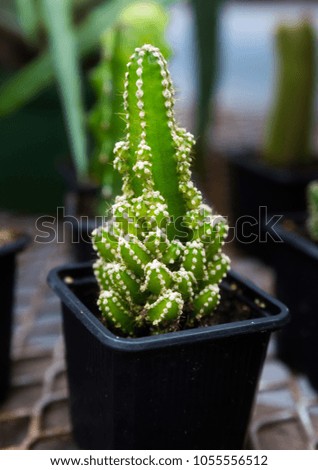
159, 255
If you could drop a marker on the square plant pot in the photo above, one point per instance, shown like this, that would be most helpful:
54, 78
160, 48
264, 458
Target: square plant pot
191, 389
296, 266
254, 184
8, 253
80, 206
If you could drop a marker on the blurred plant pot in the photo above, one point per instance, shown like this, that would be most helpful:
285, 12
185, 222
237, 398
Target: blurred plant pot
81, 202
8, 253
254, 184
192, 389
296, 266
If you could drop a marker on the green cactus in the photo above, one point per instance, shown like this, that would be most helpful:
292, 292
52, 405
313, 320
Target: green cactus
290, 122
159, 256
139, 23
312, 198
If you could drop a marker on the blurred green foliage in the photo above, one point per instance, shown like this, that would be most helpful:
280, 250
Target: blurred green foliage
58, 21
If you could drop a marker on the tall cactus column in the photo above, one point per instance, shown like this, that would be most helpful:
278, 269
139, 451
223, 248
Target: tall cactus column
160, 261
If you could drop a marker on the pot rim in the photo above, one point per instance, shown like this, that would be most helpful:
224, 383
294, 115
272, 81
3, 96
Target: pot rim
16, 245
249, 158
275, 316
296, 240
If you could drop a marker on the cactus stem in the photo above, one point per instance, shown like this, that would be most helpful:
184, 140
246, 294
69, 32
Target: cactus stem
162, 248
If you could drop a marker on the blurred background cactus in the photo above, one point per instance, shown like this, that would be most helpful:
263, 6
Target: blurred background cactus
141, 22
160, 259
207, 19
288, 137
312, 221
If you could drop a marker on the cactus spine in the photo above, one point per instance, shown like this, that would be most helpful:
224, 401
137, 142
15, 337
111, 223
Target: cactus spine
139, 23
312, 198
160, 260
290, 122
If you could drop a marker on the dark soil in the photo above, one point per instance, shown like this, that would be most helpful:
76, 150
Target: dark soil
7, 236
231, 308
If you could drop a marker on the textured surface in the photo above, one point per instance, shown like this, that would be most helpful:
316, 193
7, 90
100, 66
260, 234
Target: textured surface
35, 415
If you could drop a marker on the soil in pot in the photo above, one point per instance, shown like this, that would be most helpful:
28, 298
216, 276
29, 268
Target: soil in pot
7, 236
230, 309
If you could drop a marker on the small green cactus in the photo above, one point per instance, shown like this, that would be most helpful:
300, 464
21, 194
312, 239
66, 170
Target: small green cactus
139, 23
290, 122
159, 256
312, 221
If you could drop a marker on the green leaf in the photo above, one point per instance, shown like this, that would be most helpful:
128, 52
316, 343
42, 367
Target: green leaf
58, 20
29, 17
39, 74
26, 84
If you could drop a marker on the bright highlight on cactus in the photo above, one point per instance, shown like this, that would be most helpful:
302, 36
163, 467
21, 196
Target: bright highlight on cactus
312, 198
160, 260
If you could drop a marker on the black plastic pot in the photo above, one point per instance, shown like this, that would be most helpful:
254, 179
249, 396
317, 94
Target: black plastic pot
82, 246
192, 389
80, 238
254, 184
8, 254
296, 265
80, 211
